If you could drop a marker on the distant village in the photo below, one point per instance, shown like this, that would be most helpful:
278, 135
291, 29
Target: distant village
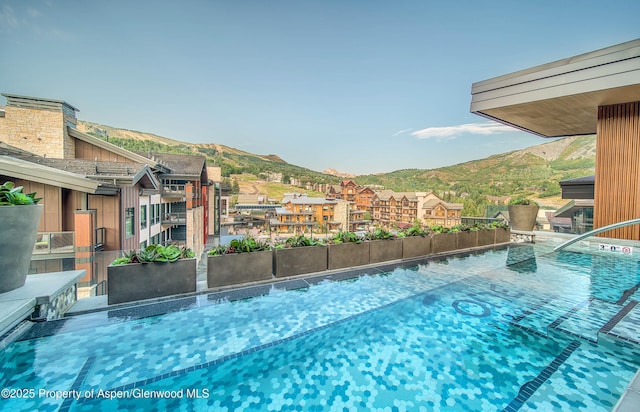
345, 206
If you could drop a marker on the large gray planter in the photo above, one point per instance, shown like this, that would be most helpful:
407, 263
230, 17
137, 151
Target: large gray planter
17, 240
299, 260
443, 242
237, 268
416, 246
139, 281
523, 217
467, 240
385, 250
345, 255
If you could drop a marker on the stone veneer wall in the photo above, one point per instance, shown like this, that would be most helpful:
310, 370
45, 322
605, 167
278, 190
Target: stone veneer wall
195, 230
39, 131
56, 308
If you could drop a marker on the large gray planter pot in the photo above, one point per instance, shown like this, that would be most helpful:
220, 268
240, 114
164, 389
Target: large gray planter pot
467, 240
345, 255
237, 268
416, 246
523, 217
486, 237
443, 242
299, 260
17, 240
385, 250
503, 235
139, 281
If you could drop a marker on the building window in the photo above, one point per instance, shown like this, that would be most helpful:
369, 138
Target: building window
129, 221
143, 216
143, 244
157, 207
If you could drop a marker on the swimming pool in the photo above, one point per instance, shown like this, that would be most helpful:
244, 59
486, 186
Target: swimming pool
518, 328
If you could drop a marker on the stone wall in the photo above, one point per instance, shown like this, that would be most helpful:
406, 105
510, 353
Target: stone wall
195, 230
39, 131
56, 308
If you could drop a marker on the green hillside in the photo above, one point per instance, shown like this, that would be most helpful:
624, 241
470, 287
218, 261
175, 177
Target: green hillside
532, 172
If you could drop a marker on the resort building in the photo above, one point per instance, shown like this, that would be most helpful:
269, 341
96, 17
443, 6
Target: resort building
402, 209
592, 93
97, 196
301, 214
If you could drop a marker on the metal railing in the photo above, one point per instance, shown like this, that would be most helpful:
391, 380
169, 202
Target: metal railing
48, 243
596, 231
98, 242
174, 218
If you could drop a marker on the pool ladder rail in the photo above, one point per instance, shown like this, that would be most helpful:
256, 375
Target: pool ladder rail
596, 231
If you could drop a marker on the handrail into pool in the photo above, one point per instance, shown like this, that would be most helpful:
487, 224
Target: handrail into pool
596, 231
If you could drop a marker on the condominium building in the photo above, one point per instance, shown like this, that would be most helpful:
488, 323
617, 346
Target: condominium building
97, 196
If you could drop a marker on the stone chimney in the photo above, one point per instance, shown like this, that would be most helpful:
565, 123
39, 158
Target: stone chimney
39, 126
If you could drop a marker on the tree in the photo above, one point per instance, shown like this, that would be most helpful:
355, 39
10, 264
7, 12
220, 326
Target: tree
235, 186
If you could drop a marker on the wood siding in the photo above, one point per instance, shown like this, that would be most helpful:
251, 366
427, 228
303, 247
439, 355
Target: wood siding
86, 150
130, 198
617, 181
108, 217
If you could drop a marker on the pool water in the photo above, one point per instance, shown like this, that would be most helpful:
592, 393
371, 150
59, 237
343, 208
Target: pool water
518, 328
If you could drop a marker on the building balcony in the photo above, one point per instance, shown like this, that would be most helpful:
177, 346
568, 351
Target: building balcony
176, 218
54, 243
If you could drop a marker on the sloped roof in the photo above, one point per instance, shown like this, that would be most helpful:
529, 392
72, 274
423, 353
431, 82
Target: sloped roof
190, 166
126, 173
431, 203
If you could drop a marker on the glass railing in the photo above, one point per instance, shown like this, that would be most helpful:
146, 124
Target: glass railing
174, 218
48, 243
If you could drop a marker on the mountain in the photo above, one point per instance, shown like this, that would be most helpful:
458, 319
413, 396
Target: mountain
232, 161
531, 172
334, 172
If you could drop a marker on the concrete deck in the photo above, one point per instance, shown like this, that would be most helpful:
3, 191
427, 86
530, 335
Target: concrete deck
19, 304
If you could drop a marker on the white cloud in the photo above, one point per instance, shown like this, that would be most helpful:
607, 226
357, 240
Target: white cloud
451, 132
401, 131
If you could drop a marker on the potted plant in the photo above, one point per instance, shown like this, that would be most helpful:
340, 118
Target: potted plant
243, 260
522, 214
346, 249
20, 217
298, 255
384, 246
152, 272
415, 242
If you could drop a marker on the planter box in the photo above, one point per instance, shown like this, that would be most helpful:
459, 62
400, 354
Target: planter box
416, 246
523, 217
138, 281
503, 235
237, 268
467, 240
299, 260
346, 255
385, 250
443, 242
486, 237
17, 240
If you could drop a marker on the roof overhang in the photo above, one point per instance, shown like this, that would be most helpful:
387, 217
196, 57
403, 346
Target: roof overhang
34, 172
562, 98
144, 177
579, 188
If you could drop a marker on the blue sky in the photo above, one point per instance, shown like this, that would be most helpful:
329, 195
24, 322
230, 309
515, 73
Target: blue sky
359, 86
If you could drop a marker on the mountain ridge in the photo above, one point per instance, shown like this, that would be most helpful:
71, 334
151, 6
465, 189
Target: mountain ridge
532, 172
